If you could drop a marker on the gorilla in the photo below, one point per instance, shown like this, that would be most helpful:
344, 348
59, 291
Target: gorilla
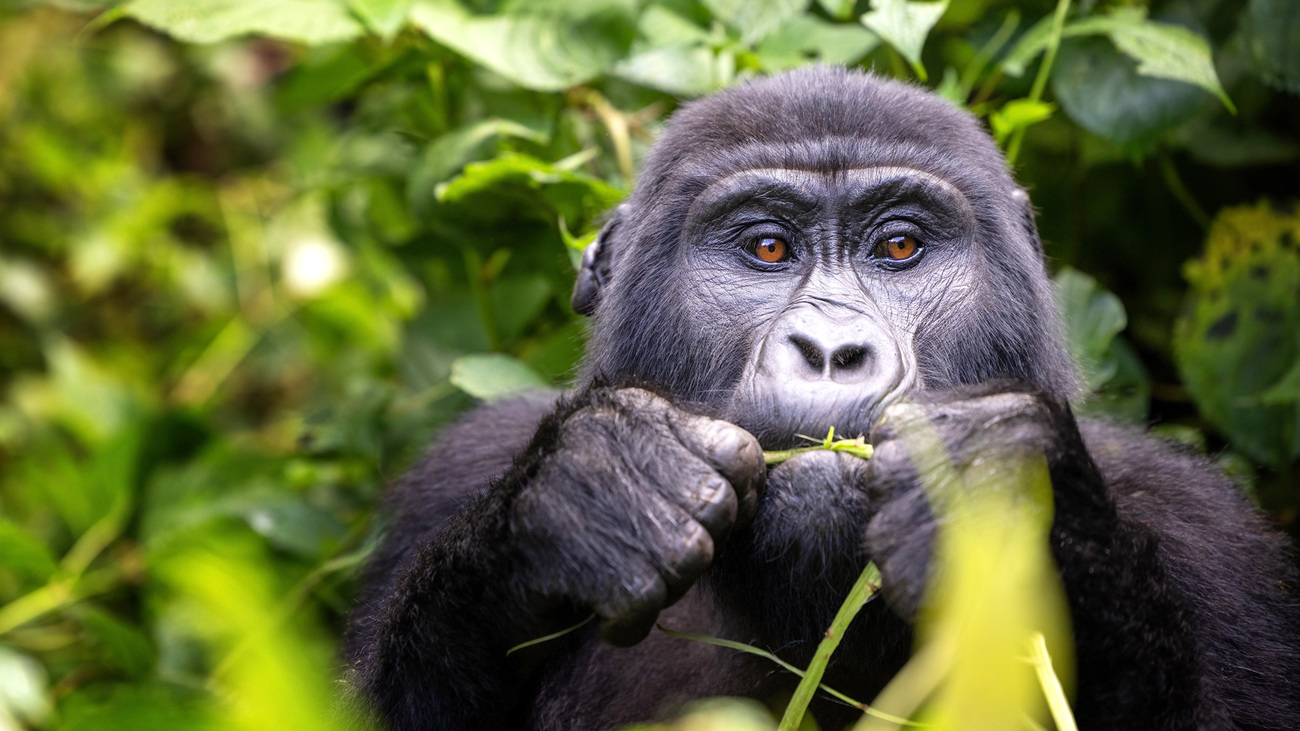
803, 251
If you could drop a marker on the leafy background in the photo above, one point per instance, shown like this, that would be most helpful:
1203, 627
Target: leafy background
252, 254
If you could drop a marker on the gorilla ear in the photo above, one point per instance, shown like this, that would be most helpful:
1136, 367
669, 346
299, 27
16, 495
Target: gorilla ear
594, 271
1026, 216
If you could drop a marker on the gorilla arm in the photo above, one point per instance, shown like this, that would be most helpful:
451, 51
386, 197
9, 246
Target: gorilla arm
613, 506
1180, 609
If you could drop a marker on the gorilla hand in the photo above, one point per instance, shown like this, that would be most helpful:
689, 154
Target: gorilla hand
988, 423
626, 507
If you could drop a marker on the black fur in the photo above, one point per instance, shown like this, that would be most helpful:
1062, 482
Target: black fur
652, 503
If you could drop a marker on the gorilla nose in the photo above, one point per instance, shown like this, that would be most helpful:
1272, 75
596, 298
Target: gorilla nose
840, 362
833, 346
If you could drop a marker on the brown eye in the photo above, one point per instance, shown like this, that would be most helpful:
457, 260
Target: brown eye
897, 248
770, 249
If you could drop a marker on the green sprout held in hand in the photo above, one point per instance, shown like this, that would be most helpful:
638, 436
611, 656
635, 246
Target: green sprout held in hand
856, 447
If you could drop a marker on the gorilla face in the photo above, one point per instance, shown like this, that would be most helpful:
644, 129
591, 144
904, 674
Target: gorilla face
789, 289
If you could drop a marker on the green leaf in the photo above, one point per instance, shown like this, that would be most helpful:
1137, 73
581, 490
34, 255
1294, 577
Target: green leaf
209, 21
384, 17
452, 151
1238, 341
1099, 88
1270, 35
754, 19
490, 376
1018, 114
1092, 317
1165, 51
1162, 50
549, 48
573, 194
904, 24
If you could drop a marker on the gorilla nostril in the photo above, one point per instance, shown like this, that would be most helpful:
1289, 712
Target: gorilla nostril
849, 358
811, 353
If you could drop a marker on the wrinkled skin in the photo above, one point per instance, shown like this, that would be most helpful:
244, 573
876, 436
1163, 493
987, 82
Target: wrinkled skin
818, 249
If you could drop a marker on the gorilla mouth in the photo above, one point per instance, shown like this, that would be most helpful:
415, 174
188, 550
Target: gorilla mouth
785, 415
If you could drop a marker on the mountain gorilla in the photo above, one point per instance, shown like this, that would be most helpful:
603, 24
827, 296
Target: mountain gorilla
802, 252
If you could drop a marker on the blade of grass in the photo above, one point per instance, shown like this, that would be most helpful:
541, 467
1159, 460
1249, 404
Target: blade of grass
551, 636
750, 649
863, 589
1056, 700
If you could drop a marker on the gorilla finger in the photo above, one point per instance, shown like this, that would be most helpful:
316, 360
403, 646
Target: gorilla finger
690, 557
629, 614
900, 539
732, 451
716, 507
889, 471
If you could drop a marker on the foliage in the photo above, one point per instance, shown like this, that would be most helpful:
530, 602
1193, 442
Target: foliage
254, 253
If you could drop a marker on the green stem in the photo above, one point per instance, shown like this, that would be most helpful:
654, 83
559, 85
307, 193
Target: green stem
1180, 192
1044, 71
863, 589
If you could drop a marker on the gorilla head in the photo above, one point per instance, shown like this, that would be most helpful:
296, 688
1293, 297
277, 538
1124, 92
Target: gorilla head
798, 260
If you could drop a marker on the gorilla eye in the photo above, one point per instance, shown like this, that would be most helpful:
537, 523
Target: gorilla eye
897, 248
770, 249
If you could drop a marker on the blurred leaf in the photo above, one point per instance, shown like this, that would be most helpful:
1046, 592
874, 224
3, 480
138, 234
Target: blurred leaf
660, 27
808, 38
210, 21
274, 674
23, 688
993, 587
127, 649
384, 17
27, 289
1238, 342
134, 707
1018, 114
904, 24
754, 19
1270, 35
1287, 388
285, 520
1218, 143
323, 79
22, 553
517, 302
493, 375
1101, 90
682, 70
1093, 317
548, 48
839, 9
